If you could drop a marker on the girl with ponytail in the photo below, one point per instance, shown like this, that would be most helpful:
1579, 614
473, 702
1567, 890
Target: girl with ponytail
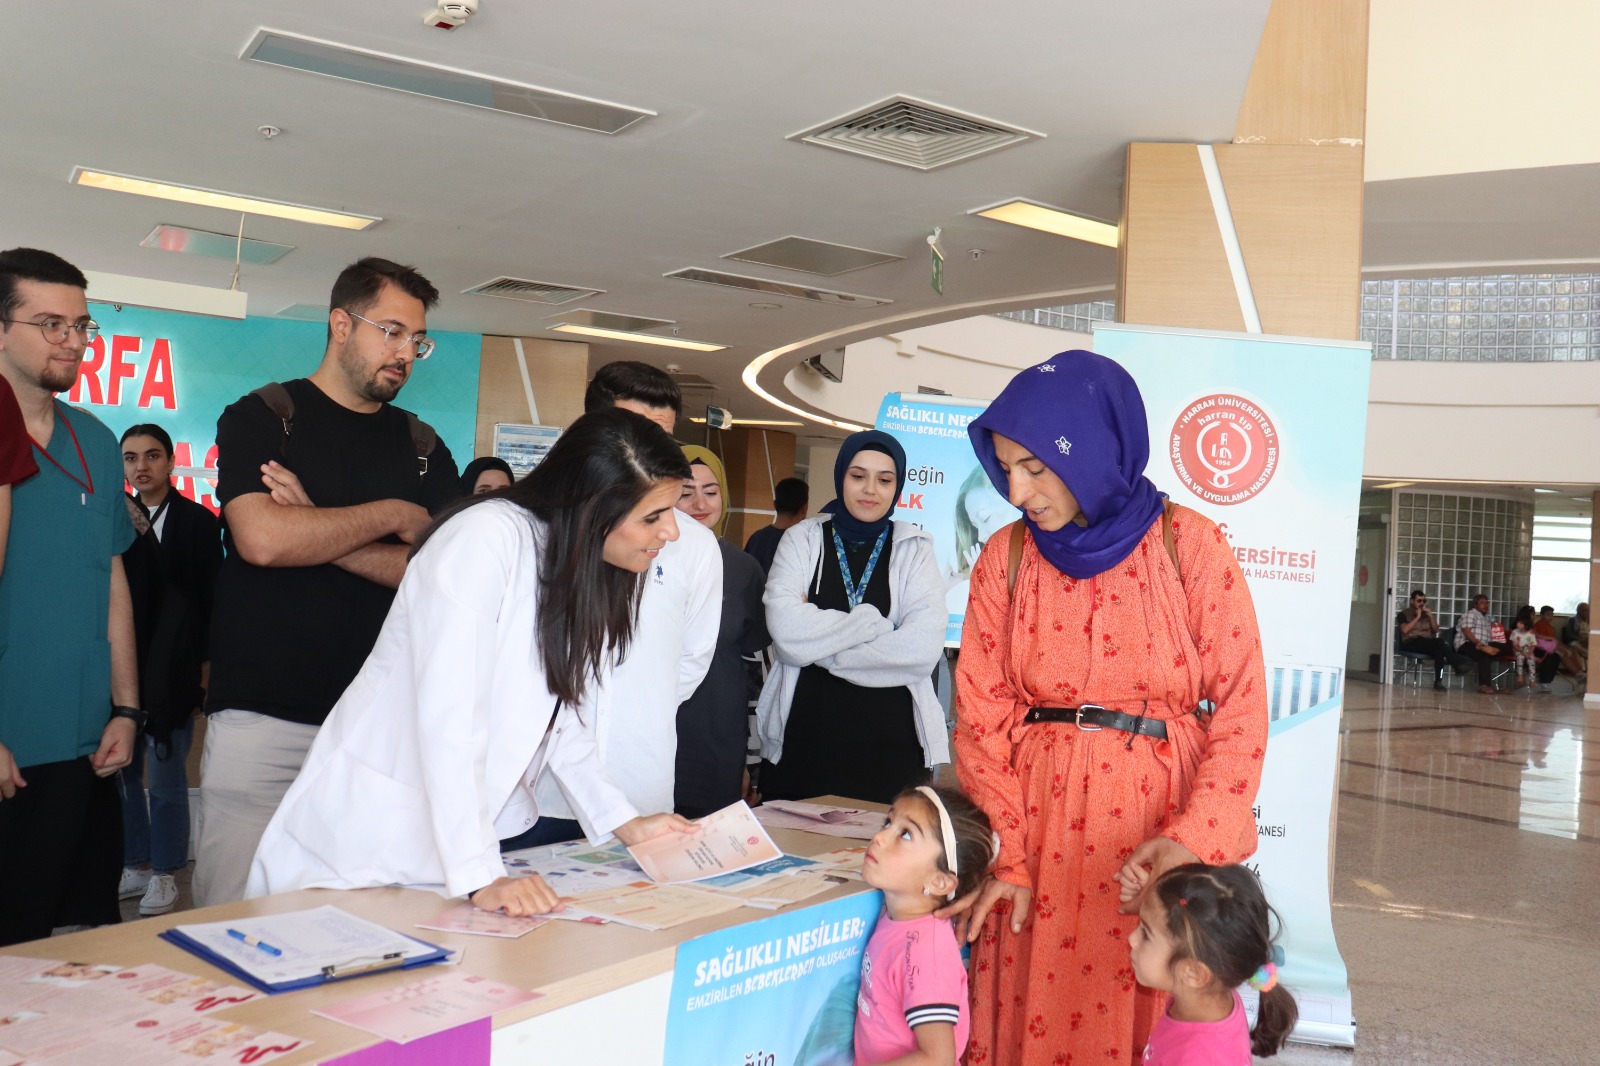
1204, 931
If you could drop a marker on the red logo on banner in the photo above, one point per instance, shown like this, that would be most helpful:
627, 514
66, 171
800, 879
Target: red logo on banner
1224, 448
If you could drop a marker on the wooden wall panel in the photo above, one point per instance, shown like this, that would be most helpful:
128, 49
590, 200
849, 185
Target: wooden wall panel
1172, 271
1297, 211
1309, 81
745, 452
558, 370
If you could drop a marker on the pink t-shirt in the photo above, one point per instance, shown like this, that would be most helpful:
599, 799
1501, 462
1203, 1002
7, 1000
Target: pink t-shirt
1224, 1043
911, 974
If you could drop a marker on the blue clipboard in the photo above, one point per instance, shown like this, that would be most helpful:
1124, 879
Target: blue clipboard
328, 974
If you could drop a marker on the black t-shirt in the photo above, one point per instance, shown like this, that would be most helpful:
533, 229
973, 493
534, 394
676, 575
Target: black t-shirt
763, 544
286, 641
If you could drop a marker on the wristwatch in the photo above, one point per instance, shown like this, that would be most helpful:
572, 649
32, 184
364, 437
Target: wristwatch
133, 714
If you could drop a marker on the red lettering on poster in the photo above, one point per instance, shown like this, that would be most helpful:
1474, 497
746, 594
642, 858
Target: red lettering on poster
158, 381
89, 374
120, 368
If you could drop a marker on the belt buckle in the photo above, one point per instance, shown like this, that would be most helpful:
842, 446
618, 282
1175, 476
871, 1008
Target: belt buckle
1077, 717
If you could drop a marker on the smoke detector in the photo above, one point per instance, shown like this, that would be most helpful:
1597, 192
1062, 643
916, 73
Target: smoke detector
447, 16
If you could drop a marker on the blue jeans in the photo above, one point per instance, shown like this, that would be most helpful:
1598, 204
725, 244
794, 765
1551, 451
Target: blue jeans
157, 834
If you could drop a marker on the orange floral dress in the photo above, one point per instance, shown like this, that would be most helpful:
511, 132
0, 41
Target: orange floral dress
1071, 805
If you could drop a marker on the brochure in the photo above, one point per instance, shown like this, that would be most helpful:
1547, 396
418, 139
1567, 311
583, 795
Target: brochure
723, 842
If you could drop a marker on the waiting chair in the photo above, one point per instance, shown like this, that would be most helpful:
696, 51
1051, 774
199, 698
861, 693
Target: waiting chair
1413, 664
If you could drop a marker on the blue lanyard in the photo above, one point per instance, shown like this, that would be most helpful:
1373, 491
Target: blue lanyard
854, 592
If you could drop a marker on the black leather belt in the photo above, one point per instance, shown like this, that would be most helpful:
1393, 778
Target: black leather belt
1092, 716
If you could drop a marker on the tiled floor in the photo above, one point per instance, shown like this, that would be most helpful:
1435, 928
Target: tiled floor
1466, 883
1467, 877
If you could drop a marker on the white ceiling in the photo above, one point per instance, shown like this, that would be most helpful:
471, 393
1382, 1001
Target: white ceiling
158, 91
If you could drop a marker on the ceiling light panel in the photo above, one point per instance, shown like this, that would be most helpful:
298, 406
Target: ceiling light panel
385, 71
187, 241
777, 288
914, 133
812, 257
533, 292
1038, 216
638, 338
233, 203
588, 316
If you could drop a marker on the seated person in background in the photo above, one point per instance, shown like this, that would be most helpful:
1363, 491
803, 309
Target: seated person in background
1575, 635
1524, 648
1547, 649
789, 499
1472, 641
484, 474
1419, 632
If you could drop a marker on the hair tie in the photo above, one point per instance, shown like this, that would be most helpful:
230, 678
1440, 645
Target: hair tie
946, 830
1265, 979
1183, 901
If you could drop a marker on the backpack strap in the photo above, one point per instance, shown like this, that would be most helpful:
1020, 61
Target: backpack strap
278, 400
425, 438
1167, 539
1018, 532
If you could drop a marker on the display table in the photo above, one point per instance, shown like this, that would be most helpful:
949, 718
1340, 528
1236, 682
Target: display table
605, 988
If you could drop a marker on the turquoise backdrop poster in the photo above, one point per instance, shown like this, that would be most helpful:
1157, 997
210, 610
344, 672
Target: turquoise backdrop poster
179, 371
778, 992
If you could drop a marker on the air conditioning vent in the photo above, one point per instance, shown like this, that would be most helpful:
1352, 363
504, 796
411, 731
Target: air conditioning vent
914, 133
533, 292
776, 288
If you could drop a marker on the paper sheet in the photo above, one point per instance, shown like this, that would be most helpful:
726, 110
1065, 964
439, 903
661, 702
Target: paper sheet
723, 842
426, 1006
306, 941
77, 1014
465, 918
846, 861
820, 818
656, 907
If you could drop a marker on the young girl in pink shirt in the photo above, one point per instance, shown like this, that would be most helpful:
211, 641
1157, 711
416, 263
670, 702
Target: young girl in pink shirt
935, 846
1204, 931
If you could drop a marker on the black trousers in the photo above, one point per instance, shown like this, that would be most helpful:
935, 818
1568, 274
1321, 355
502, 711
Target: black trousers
60, 851
1430, 646
1485, 659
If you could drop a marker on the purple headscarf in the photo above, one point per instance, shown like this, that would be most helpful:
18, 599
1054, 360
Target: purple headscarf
1082, 416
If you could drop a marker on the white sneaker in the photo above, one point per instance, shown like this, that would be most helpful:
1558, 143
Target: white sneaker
161, 896
133, 883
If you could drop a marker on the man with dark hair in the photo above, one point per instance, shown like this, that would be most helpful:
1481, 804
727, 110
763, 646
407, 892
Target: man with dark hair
69, 699
789, 499
1419, 632
323, 486
635, 708
636, 387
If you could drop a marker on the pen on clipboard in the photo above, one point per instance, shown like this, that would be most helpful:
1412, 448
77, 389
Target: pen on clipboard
254, 941
367, 965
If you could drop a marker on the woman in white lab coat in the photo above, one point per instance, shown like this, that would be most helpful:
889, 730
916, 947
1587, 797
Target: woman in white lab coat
510, 607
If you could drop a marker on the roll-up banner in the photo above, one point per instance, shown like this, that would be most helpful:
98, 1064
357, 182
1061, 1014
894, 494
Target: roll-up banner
1264, 435
179, 371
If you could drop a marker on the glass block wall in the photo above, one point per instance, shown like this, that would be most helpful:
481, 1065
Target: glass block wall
1076, 317
1453, 547
1506, 318
1529, 318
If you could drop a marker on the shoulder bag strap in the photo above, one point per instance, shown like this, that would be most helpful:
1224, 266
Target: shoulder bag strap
1166, 538
278, 400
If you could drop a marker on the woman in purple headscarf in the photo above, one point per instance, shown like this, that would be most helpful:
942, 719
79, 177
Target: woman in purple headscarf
1111, 713
855, 606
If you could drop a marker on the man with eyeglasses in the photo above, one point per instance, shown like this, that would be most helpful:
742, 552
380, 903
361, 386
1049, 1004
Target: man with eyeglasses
68, 695
1419, 632
323, 490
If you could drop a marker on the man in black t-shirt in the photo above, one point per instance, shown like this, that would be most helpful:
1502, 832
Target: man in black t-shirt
789, 499
320, 508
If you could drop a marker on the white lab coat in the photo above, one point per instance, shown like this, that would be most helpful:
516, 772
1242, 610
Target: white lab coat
635, 707
429, 757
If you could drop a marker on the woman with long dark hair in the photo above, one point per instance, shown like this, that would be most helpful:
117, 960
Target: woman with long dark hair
510, 608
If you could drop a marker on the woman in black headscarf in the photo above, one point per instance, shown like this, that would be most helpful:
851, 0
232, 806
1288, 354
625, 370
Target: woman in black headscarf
485, 474
855, 606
